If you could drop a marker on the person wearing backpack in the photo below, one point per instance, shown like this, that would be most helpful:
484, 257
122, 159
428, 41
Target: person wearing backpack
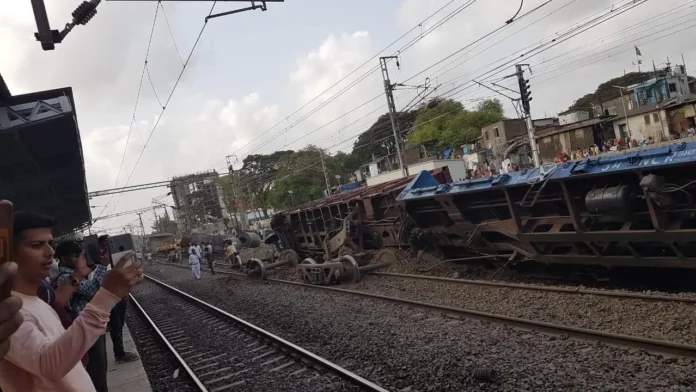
70, 254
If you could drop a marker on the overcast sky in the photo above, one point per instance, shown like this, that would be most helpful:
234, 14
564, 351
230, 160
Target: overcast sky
253, 70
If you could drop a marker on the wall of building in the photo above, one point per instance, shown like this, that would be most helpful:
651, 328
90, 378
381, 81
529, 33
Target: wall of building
495, 137
681, 118
573, 117
613, 107
569, 142
457, 168
639, 128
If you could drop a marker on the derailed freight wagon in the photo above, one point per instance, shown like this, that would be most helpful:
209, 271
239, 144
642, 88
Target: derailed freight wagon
630, 210
351, 222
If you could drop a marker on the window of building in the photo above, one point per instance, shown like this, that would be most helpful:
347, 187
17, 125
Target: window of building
656, 118
485, 135
646, 118
497, 134
672, 87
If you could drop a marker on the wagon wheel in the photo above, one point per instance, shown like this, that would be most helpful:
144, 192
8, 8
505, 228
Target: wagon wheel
385, 256
289, 256
344, 250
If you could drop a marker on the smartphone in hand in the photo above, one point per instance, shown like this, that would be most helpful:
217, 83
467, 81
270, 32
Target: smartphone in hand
6, 218
91, 247
119, 246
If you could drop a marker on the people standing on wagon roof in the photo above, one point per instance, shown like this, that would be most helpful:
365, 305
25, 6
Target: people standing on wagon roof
43, 355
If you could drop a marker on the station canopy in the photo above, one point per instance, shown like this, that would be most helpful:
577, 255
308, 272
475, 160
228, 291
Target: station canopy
41, 162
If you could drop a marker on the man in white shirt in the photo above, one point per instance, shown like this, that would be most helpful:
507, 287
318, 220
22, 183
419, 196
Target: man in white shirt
195, 259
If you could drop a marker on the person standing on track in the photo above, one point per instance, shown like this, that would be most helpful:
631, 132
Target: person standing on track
232, 253
209, 256
195, 260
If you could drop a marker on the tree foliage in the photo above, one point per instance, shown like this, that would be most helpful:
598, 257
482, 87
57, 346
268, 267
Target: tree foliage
378, 140
449, 123
164, 224
258, 172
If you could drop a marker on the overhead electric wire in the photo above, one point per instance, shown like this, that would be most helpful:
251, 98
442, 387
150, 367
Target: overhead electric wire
346, 76
171, 34
135, 109
364, 76
545, 45
166, 103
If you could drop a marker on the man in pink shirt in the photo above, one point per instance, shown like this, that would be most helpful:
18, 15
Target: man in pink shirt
44, 356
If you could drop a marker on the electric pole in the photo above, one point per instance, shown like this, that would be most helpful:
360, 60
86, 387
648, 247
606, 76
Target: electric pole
239, 226
525, 97
326, 179
142, 227
389, 91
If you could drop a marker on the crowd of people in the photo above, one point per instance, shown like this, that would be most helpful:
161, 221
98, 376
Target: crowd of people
198, 253
54, 323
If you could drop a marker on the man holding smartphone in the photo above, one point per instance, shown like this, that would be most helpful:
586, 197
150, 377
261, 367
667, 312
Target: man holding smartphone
69, 253
117, 318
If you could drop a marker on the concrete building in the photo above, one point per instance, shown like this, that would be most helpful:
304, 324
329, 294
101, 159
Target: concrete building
671, 83
543, 122
498, 137
198, 199
457, 168
573, 117
661, 121
569, 138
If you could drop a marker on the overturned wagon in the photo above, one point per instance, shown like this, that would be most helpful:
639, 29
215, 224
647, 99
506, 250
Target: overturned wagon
351, 222
631, 210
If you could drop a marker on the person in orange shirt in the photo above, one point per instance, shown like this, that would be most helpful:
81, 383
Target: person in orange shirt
43, 355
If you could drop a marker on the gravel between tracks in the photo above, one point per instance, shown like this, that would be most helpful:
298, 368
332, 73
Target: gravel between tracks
651, 319
413, 350
158, 361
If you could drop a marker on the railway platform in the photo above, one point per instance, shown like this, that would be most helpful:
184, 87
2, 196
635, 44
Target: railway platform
126, 377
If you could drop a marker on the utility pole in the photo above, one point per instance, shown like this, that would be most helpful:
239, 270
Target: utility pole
142, 227
242, 222
389, 91
525, 97
323, 168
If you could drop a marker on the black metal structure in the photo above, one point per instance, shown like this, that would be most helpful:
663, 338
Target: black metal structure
41, 161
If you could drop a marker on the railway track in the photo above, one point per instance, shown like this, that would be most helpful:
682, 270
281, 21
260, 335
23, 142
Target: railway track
531, 287
220, 352
622, 340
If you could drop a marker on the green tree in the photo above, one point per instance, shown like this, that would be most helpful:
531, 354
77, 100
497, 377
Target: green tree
257, 175
164, 224
432, 122
378, 140
451, 125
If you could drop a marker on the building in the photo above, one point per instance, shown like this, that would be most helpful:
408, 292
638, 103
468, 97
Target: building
503, 138
42, 166
660, 121
670, 83
543, 122
198, 199
554, 141
573, 117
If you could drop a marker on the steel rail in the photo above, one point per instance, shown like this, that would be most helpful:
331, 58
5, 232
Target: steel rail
620, 340
531, 287
171, 348
540, 288
313, 358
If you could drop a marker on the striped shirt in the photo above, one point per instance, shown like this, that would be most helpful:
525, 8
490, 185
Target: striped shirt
84, 292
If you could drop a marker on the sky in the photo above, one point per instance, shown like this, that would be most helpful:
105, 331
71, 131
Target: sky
307, 71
